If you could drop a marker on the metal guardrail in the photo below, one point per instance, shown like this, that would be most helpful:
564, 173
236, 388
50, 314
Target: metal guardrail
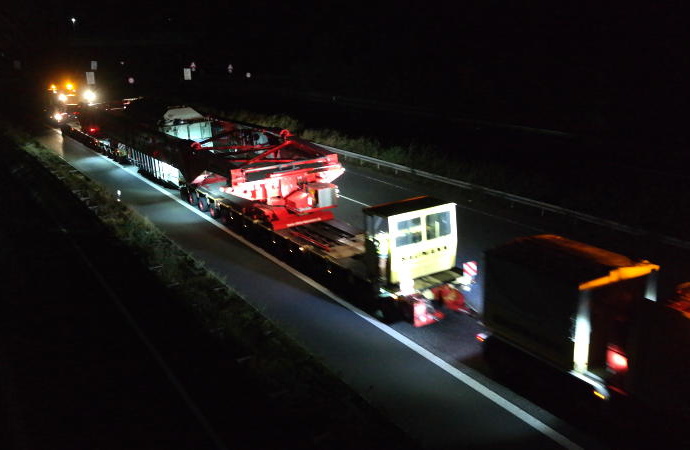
512, 197
504, 196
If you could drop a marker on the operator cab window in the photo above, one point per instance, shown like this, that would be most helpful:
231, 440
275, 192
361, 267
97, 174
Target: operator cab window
437, 225
409, 232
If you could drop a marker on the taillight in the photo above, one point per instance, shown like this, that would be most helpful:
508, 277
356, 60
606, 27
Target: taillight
420, 312
616, 359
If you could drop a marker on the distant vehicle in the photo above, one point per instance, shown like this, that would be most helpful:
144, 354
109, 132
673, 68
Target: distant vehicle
63, 101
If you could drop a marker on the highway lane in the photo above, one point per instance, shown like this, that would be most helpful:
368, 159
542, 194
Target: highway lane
477, 229
482, 226
409, 389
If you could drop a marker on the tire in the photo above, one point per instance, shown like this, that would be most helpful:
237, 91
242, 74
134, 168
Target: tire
202, 203
215, 212
184, 193
390, 311
192, 198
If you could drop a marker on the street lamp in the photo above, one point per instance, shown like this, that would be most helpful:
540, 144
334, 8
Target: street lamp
74, 24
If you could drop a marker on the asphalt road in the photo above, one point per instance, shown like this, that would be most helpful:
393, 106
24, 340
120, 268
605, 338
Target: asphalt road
425, 388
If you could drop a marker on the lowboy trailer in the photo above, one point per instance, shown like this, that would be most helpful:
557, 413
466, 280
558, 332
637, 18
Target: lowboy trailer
277, 190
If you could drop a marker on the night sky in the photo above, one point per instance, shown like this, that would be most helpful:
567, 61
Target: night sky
566, 65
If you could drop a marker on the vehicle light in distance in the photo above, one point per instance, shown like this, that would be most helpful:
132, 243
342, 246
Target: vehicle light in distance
89, 95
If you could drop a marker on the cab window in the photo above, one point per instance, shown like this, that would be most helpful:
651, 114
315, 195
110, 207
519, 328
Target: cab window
409, 232
437, 225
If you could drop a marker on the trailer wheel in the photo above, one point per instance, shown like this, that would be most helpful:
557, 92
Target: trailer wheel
214, 211
184, 193
223, 216
192, 198
390, 311
202, 203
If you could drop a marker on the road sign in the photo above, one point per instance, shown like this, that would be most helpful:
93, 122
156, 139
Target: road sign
187, 72
230, 69
90, 78
470, 268
94, 65
193, 66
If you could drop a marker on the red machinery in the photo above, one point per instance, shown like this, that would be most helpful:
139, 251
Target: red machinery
289, 183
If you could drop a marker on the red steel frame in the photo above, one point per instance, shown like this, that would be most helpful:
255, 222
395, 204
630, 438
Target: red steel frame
283, 197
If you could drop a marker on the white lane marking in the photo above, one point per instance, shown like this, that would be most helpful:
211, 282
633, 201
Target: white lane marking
353, 200
453, 371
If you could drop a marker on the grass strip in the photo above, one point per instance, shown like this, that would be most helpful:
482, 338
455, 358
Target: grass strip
337, 417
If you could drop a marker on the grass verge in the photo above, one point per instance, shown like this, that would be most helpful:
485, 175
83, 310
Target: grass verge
333, 414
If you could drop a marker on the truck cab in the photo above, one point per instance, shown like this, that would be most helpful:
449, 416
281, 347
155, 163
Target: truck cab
569, 304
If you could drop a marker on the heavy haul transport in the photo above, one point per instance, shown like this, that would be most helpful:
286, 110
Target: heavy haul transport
277, 190
588, 312
593, 314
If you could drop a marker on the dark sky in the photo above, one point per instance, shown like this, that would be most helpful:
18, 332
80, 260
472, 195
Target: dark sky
493, 55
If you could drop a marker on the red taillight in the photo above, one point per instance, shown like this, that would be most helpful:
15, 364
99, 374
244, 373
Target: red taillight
92, 129
616, 359
422, 313
419, 311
